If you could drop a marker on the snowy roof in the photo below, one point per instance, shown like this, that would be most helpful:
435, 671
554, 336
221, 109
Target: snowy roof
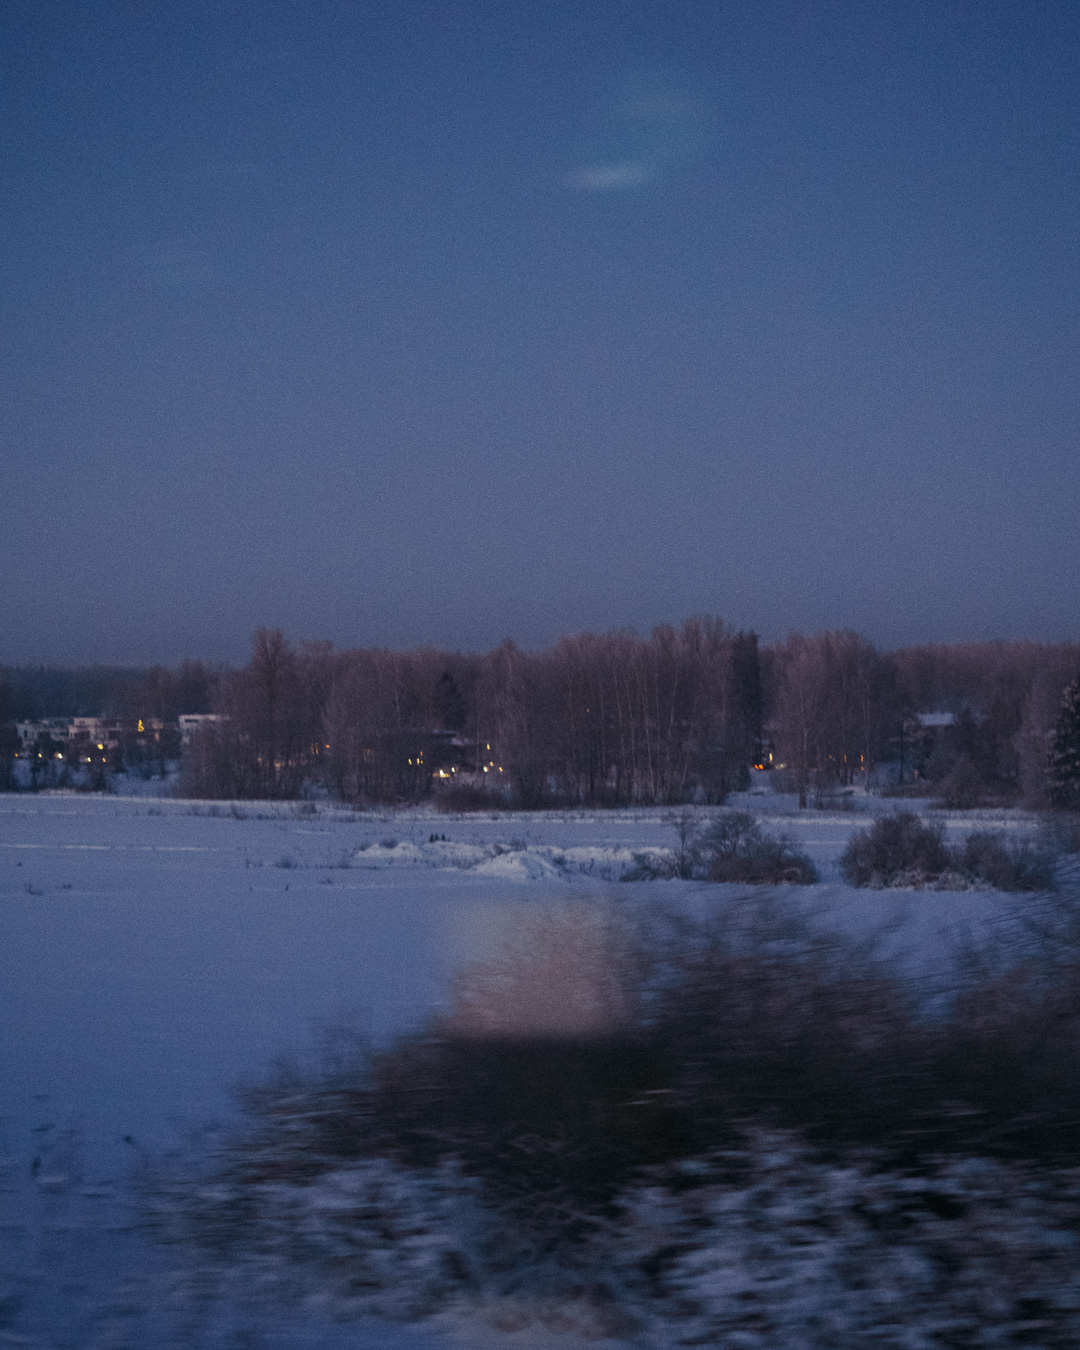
937, 719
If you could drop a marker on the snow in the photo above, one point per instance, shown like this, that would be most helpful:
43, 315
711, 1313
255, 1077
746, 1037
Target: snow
153, 953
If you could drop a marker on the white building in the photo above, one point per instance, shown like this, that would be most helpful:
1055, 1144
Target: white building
190, 723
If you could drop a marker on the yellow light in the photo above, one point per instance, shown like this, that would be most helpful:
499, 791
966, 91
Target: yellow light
100, 746
141, 727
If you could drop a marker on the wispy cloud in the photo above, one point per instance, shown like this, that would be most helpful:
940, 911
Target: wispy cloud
610, 177
644, 125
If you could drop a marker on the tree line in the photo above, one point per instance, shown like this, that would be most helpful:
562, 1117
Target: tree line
623, 719
680, 715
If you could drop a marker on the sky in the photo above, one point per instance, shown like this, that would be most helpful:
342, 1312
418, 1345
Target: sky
403, 322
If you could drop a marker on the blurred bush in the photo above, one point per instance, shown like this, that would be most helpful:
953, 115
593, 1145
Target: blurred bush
598, 1047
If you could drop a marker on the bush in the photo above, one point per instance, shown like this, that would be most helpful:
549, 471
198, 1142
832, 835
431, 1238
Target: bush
985, 856
896, 849
736, 848
1060, 833
784, 1095
597, 1049
902, 850
640, 1129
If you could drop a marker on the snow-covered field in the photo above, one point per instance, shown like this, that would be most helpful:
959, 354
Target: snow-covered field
153, 953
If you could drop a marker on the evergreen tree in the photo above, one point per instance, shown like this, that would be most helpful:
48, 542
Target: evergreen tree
1063, 765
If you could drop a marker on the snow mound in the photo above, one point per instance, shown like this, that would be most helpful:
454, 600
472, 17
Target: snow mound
514, 861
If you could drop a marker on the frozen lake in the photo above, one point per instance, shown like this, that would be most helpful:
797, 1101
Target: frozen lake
155, 953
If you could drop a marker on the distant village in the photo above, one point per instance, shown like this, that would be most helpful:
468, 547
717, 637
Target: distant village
110, 742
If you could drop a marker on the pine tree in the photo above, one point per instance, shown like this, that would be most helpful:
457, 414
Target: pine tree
1063, 764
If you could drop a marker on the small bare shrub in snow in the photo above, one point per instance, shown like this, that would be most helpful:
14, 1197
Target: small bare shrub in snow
736, 848
733, 847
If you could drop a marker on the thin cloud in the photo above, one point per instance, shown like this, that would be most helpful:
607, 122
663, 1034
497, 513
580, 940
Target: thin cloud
610, 177
644, 126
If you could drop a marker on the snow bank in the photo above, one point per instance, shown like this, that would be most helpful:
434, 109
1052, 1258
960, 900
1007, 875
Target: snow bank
513, 861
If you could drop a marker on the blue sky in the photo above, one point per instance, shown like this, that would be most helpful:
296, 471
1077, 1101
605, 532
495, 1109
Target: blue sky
398, 323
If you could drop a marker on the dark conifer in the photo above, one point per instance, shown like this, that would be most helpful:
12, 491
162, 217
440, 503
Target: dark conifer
1063, 764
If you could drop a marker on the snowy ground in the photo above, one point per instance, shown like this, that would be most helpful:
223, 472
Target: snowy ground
153, 953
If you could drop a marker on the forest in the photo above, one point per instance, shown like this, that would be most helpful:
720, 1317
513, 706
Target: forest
596, 719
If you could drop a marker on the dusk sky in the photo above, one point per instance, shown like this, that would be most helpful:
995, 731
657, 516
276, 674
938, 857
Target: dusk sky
417, 322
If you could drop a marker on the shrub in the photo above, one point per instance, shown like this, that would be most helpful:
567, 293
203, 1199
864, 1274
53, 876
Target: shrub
686, 861
541, 1081
597, 1048
640, 1129
736, 848
896, 848
1060, 833
986, 856
778, 1089
902, 850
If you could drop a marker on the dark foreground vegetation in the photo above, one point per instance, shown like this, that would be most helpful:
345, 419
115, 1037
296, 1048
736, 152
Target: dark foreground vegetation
736, 1124
597, 719
599, 1045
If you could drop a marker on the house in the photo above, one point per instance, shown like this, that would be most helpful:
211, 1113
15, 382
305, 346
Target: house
931, 721
190, 723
